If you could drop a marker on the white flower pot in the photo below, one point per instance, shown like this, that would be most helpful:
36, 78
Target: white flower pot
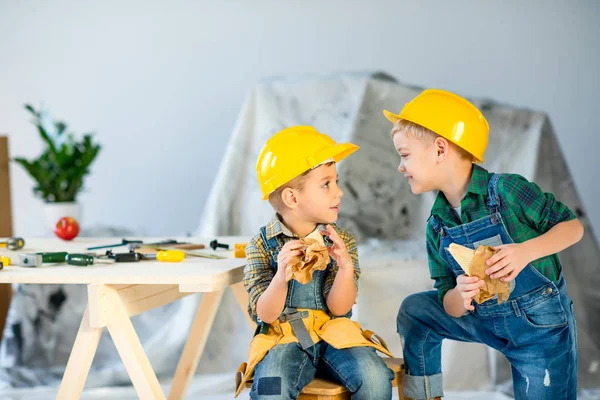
55, 211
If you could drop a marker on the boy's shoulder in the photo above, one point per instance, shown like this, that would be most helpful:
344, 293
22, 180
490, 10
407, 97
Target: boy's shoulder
258, 241
508, 183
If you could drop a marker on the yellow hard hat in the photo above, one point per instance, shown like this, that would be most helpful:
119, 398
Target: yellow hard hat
450, 116
293, 151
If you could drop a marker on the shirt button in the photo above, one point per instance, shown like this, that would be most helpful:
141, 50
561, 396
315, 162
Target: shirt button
494, 219
548, 290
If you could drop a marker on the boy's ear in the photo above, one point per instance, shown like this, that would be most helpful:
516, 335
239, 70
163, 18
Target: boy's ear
289, 197
441, 148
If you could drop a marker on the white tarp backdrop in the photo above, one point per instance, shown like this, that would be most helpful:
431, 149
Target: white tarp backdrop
378, 207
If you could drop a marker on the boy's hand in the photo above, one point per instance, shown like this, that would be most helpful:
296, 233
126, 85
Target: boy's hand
468, 287
338, 250
508, 262
291, 249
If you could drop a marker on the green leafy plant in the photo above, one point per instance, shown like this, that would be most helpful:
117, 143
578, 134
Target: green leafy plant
60, 169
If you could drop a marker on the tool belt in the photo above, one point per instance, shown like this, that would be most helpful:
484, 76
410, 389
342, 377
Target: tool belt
306, 327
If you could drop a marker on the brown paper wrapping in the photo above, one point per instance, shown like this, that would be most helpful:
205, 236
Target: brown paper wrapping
315, 257
474, 264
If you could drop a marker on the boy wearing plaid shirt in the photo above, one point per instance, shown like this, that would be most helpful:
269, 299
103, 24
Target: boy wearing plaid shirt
304, 329
438, 136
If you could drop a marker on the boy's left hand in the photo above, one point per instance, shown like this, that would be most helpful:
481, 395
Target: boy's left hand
338, 250
508, 262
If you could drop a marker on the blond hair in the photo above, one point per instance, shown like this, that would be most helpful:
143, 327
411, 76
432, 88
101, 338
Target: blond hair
425, 135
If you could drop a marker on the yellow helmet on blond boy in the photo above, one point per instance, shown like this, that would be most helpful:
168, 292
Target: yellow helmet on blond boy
293, 151
450, 116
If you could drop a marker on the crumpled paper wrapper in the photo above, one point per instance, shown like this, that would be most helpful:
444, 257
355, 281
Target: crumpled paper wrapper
315, 257
474, 264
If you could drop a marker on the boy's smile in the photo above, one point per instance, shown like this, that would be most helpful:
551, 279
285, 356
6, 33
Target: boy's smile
417, 160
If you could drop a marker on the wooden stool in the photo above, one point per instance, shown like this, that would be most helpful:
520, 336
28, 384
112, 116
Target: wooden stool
321, 389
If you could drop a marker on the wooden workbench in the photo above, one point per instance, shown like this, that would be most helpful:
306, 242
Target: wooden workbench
116, 292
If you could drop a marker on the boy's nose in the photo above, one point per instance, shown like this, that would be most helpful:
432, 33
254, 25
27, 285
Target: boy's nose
401, 168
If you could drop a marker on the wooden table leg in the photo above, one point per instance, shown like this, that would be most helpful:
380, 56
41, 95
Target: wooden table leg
242, 298
6, 293
129, 346
80, 359
205, 316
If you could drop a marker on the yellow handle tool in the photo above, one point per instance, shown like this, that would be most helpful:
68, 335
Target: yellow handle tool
14, 243
170, 255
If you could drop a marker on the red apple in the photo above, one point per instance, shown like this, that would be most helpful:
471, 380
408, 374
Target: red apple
66, 228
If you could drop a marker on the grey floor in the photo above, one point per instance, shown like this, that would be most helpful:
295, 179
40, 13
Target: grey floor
214, 387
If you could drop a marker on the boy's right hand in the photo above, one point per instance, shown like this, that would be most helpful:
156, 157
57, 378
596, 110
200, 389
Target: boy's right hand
468, 287
291, 249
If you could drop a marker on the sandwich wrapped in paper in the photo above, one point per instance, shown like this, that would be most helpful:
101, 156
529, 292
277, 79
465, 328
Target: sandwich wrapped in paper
473, 262
315, 257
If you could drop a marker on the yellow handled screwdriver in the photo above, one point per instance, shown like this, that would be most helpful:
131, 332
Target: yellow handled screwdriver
14, 243
166, 256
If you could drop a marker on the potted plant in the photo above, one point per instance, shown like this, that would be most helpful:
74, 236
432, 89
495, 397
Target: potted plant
60, 170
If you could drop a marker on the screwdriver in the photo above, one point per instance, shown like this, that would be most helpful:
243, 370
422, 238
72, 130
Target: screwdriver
84, 260
14, 243
166, 256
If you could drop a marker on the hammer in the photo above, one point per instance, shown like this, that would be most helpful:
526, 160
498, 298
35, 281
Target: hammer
37, 259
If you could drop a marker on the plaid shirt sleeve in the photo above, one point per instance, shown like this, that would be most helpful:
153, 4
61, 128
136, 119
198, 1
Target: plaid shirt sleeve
258, 273
439, 270
350, 242
539, 210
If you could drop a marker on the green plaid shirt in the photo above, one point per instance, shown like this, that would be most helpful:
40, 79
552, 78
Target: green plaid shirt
258, 272
526, 210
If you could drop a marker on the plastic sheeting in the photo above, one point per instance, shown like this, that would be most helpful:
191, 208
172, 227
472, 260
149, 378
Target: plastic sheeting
387, 219
378, 207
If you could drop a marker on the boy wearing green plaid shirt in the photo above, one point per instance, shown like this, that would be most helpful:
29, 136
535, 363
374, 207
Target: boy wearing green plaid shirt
304, 329
438, 136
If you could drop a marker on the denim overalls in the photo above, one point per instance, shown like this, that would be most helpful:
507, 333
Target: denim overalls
535, 329
287, 368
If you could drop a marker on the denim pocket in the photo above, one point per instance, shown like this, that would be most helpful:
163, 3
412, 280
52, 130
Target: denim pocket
548, 313
493, 241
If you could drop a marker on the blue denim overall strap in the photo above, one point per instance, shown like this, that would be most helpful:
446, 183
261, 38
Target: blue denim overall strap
535, 328
491, 231
299, 295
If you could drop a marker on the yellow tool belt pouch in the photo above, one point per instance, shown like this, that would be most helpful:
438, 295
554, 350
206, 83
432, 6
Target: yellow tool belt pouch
340, 333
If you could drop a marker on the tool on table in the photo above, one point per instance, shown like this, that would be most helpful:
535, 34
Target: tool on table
4, 261
37, 259
124, 242
168, 244
84, 260
192, 253
215, 244
187, 246
132, 256
14, 243
133, 244
166, 256
239, 250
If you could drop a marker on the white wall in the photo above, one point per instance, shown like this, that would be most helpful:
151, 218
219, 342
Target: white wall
162, 81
